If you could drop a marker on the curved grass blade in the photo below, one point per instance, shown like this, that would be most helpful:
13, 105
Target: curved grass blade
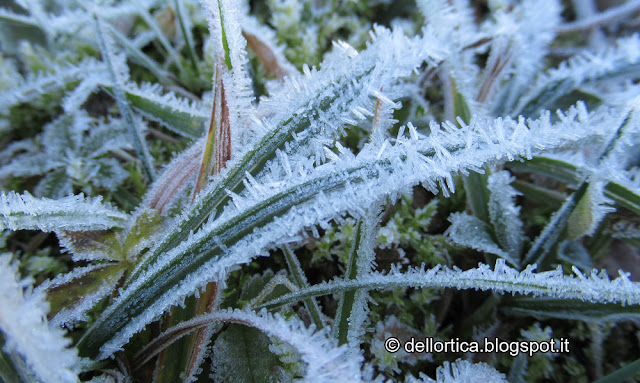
502, 279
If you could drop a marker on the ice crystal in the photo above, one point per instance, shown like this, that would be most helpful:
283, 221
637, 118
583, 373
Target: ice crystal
28, 336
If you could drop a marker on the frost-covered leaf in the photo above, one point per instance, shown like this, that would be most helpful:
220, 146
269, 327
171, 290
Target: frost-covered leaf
575, 253
72, 295
177, 176
38, 350
504, 214
529, 28
73, 150
231, 79
300, 280
262, 40
452, 25
177, 114
392, 327
25, 212
621, 61
622, 194
352, 311
119, 74
242, 354
35, 86
305, 112
469, 231
139, 56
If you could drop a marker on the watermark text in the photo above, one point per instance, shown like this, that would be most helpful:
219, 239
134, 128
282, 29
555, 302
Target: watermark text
514, 348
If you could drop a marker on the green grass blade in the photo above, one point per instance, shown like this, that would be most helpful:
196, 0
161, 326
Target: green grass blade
141, 58
187, 35
623, 374
125, 110
181, 120
301, 281
347, 302
569, 309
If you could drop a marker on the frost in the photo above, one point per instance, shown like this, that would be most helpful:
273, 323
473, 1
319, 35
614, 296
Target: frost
504, 214
278, 212
469, 231
607, 65
25, 212
73, 151
590, 211
36, 85
528, 28
95, 288
321, 149
325, 361
146, 94
224, 25
29, 340
462, 371
597, 287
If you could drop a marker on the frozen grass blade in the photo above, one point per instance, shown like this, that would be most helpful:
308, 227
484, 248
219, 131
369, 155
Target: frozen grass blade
596, 288
25, 212
301, 282
116, 66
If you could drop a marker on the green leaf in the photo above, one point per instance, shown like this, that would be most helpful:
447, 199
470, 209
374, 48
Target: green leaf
475, 186
571, 309
173, 361
225, 43
568, 173
581, 219
539, 194
558, 223
554, 229
261, 287
241, 354
347, 301
147, 223
461, 108
623, 196
182, 122
550, 167
8, 372
73, 292
623, 374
